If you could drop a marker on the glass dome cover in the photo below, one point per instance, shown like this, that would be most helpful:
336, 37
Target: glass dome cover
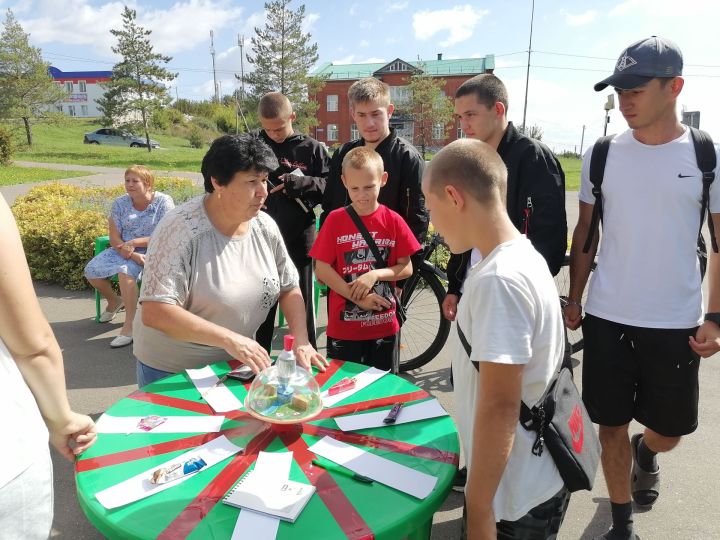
284, 393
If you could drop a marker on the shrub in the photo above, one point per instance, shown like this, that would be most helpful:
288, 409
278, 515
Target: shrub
195, 138
7, 146
165, 118
58, 224
225, 119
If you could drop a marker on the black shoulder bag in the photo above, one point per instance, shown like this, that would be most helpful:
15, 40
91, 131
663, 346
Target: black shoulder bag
379, 261
563, 426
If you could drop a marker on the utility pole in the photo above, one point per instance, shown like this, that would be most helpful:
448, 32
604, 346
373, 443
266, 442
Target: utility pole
212, 53
582, 140
241, 44
527, 76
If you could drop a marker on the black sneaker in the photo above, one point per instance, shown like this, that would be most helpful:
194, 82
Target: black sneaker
460, 480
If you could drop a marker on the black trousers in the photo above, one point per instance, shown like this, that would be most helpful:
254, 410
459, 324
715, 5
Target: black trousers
264, 334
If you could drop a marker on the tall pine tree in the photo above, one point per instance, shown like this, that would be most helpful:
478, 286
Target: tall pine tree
27, 91
283, 55
135, 89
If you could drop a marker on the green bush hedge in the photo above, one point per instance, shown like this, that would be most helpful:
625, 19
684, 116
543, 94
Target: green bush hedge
58, 224
7, 146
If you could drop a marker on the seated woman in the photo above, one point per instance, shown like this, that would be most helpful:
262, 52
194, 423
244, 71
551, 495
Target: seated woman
132, 220
214, 268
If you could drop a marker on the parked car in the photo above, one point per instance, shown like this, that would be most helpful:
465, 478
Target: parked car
117, 138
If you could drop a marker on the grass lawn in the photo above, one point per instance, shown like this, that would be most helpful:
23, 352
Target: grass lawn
12, 174
64, 144
571, 166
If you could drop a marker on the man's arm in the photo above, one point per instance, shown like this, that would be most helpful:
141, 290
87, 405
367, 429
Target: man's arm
335, 193
496, 418
412, 199
312, 186
580, 265
707, 338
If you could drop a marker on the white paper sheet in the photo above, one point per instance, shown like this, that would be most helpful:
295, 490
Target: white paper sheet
385, 471
362, 380
409, 413
139, 487
273, 466
173, 424
220, 398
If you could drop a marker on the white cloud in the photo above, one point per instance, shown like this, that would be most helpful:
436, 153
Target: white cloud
459, 22
344, 60
372, 60
582, 18
353, 10
365, 25
398, 6
183, 26
667, 8
309, 21
364, 43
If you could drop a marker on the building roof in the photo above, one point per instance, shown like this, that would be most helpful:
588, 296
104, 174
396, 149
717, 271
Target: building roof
55, 73
440, 68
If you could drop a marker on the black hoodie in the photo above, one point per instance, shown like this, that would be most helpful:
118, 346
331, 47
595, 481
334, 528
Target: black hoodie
296, 225
402, 192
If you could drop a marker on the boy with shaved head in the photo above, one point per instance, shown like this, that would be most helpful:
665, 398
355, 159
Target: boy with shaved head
292, 196
510, 316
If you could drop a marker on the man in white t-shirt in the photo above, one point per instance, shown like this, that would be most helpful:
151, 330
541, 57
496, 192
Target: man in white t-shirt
510, 315
644, 329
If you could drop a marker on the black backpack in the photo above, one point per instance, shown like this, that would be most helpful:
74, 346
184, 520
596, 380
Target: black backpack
706, 162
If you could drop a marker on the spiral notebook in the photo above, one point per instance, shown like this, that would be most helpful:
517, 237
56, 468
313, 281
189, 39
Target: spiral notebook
284, 499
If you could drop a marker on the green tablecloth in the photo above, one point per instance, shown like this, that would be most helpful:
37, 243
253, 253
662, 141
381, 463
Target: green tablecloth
341, 508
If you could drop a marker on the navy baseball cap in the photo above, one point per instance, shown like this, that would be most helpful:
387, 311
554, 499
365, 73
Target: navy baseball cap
644, 60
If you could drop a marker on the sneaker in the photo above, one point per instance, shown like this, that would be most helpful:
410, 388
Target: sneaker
460, 480
121, 341
108, 315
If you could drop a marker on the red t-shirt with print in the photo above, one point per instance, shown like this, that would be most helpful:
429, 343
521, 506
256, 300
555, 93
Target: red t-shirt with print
340, 244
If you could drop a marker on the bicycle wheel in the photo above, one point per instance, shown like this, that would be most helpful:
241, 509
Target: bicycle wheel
562, 282
425, 331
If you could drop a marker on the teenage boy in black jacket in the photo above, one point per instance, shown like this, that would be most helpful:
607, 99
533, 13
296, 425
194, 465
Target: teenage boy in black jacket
535, 186
371, 110
292, 197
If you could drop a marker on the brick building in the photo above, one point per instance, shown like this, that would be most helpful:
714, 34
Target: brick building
83, 88
335, 123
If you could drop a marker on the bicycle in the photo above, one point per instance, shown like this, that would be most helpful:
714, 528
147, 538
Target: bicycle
562, 281
426, 329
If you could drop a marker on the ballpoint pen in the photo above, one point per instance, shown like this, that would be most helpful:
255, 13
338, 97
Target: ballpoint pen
342, 470
219, 381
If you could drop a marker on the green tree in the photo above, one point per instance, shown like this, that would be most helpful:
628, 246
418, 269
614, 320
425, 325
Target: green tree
283, 55
27, 91
430, 109
533, 131
136, 88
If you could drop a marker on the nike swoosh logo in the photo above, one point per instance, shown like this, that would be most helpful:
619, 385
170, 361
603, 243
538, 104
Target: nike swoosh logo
685, 175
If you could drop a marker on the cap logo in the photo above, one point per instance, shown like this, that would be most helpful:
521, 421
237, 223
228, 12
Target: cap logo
625, 62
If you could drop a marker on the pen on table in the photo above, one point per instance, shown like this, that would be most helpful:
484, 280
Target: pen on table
393, 414
342, 470
219, 382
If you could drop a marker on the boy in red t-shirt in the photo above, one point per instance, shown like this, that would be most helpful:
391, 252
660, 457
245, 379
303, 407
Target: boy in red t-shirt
362, 325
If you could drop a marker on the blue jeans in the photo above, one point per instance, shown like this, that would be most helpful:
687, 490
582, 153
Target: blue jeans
146, 374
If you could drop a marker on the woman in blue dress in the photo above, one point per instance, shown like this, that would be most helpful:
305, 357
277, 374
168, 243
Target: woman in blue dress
131, 222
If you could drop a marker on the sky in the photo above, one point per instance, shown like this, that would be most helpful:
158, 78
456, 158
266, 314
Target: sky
574, 45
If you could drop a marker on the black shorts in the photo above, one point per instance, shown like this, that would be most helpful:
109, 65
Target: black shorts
382, 353
649, 374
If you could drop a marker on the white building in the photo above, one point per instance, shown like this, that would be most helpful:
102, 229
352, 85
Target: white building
83, 88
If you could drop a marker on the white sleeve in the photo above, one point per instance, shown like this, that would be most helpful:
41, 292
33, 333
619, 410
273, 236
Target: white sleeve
586, 194
503, 322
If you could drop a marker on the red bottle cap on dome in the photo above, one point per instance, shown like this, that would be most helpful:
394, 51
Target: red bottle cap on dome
288, 342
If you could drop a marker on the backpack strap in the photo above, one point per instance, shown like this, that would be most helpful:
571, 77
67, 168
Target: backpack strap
706, 162
379, 261
598, 159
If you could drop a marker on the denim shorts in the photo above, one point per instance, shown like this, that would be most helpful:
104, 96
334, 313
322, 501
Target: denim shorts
146, 374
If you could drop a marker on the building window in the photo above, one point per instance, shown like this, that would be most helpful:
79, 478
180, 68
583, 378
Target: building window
399, 95
83, 110
71, 110
69, 86
332, 132
83, 86
438, 132
332, 103
460, 133
354, 133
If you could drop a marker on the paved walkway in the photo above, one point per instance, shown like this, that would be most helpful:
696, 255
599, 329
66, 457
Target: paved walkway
97, 376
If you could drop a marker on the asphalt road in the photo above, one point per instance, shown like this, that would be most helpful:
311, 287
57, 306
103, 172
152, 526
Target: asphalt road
97, 376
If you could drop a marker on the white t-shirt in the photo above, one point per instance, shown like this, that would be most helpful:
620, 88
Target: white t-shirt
648, 273
232, 282
510, 314
28, 437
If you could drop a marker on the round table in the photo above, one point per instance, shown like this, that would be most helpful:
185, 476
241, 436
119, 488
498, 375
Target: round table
341, 508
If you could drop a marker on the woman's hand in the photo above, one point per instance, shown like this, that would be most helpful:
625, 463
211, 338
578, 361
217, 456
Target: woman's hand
74, 436
248, 351
126, 249
362, 285
307, 357
139, 258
